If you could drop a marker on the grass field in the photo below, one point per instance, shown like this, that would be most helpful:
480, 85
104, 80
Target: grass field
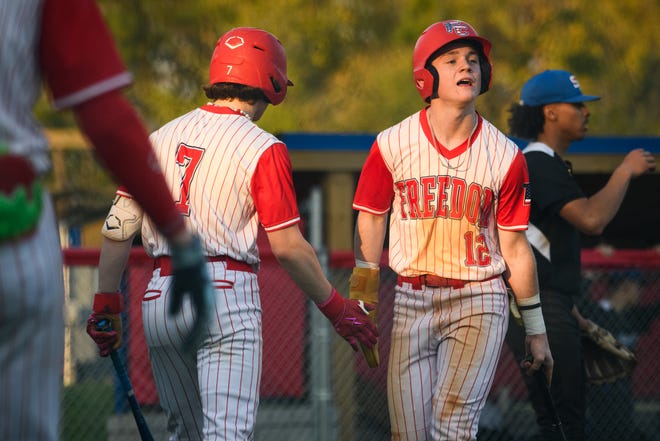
86, 407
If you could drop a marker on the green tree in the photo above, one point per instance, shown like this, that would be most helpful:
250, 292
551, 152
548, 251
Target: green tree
351, 60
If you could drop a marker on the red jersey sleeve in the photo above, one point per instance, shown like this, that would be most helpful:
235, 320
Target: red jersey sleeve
375, 189
514, 198
273, 191
77, 53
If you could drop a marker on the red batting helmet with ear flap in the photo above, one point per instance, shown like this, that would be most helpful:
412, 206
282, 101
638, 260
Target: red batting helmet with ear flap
435, 37
252, 57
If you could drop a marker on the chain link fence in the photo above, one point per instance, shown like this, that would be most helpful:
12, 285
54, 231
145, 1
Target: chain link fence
348, 402
313, 386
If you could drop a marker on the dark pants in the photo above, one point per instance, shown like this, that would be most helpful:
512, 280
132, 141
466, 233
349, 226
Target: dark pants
568, 379
611, 412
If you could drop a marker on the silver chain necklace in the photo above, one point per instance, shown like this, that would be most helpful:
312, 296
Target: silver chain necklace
242, 112
467, 156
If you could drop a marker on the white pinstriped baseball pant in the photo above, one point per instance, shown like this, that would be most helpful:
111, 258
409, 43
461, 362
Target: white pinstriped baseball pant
214, 396
445, 348
32, 333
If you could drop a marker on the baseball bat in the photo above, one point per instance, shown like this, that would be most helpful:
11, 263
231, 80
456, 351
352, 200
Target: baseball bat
143, 428
542, 383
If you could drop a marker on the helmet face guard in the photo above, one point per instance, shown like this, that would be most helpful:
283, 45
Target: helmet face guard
428, 45
251, 57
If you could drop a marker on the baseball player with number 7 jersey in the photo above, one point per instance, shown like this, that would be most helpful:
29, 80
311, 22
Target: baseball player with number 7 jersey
455, 191
227, 176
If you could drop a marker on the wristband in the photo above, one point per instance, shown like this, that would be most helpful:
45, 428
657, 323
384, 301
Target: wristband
363, 264
111, 303
333, 306
532, 316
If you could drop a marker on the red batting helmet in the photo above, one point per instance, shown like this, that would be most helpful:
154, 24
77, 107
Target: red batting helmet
252, 57
433, 39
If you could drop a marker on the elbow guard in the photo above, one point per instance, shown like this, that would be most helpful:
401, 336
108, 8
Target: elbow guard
124, 219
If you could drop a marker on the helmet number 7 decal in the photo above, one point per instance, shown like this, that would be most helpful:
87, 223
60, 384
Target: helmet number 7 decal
187, 158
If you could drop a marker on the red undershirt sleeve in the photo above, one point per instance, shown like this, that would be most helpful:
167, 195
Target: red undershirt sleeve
273, 191
514, 198
122, 144
78, 56
83, 70
375, 189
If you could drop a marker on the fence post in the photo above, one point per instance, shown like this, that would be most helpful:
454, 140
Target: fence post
320, 357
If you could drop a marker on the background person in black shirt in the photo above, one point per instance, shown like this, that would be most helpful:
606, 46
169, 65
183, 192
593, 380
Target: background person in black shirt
552, 114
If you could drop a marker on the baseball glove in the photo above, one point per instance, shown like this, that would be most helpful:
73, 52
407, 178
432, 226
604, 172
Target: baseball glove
606, 360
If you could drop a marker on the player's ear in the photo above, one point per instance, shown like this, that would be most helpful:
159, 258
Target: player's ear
550, 113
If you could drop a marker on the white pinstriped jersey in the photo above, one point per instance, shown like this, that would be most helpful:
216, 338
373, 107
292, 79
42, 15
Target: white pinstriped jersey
445, 205
214, 153
33, 44
226, 175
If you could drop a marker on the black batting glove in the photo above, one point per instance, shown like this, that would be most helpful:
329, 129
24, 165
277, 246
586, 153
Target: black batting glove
191, 278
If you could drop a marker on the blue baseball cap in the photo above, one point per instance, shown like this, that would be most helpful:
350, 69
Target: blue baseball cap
553, 86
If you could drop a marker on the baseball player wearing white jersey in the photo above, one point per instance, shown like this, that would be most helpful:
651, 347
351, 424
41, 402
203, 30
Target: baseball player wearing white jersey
455, 190
227, 176
66, 45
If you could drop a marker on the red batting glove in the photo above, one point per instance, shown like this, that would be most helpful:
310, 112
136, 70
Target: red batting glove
350, 320
104, 324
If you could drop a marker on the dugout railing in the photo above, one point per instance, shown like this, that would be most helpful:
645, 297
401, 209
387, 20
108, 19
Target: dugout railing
350, 402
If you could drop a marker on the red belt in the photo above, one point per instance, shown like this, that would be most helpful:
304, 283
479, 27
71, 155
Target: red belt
165, 264
433, 281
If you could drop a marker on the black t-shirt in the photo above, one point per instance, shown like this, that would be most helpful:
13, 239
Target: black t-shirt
556, 243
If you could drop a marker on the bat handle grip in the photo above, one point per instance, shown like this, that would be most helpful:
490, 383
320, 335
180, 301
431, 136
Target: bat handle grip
542, 382
104, 325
